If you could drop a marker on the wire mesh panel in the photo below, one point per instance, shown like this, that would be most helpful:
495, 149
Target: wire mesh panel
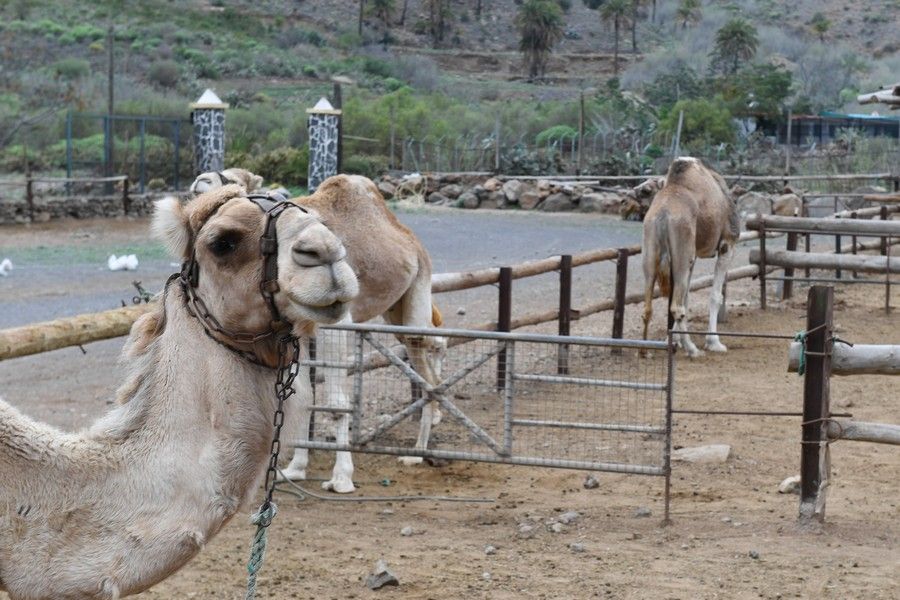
569, 402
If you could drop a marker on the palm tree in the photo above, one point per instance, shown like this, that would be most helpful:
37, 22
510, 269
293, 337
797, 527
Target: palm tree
635, 6
736, 42
540, 25
616, 11
381, 10
688, 12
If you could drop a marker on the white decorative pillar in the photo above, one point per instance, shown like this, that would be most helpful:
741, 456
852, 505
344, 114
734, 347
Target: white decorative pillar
208, 119
324, 124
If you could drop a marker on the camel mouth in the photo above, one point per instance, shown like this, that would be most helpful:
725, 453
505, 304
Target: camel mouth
325, 313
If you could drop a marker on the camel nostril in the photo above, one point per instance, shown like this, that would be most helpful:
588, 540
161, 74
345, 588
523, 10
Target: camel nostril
306, 257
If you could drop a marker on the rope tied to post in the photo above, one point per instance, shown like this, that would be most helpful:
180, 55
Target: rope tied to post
801, 337
262, 519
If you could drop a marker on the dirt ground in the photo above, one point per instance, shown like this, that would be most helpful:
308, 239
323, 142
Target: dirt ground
732, 534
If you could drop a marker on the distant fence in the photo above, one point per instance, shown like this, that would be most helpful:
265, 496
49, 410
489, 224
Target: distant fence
821, 356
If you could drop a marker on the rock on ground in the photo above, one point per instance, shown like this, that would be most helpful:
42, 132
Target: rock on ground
469, 200
381, 576
791, 485
559, 202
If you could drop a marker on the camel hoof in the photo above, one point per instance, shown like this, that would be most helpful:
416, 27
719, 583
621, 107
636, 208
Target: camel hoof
716, 346
291, 475
410, 461
339, 485
694, 352
436, 416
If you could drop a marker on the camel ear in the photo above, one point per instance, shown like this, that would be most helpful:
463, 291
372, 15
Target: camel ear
170, 226
256, 182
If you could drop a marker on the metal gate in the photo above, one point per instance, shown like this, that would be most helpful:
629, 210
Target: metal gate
505, 397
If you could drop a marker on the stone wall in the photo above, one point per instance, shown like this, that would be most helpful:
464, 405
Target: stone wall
466, 191
77, 206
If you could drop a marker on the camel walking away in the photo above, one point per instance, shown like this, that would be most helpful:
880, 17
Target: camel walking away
691, 216
109, 511
394, 273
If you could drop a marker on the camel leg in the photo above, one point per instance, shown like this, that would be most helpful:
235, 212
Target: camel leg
723, 260
425, 353
296, 425
649, 264
681, 290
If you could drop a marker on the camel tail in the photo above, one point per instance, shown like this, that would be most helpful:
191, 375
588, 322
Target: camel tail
664, 258
436, 318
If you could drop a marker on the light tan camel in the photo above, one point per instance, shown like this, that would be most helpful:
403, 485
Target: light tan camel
111, 510
394, 273
216, 179
691, 216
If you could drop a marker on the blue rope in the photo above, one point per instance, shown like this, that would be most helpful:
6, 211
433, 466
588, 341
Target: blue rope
801, 337
262, 519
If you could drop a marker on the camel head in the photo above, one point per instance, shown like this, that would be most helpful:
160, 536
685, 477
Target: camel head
221, 231
216, 179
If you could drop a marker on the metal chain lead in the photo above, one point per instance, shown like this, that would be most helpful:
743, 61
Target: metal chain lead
288, 368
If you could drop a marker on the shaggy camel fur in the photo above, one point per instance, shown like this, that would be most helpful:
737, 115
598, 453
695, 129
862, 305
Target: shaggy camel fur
217, 179
109, 511
394, 272
691, 216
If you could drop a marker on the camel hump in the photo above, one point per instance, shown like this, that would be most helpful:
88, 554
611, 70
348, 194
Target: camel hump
680, 166
436, 318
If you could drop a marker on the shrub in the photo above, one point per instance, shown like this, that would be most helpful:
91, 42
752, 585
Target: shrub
367, 165
71, 68
164, 73
87, 32
555, 134
285, 165
706, 122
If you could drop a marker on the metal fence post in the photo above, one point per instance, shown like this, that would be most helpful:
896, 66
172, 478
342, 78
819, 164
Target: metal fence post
619, 299
814, 455
68, 151
504, 319
884, 217
853, 215
143, 166
787, 289
565, 312
177, 141
29, 195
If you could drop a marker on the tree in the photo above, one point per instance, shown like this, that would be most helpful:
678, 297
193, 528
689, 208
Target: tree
757, 90
736, 42
615, 11
540, 25
635, 6
706, 122
381, 10
820, 24
688, 12
438, 14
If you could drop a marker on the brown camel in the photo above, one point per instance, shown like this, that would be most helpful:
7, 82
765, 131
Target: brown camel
691, 216
109, 511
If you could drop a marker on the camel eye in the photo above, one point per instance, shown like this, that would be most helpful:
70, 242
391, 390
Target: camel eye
225, 243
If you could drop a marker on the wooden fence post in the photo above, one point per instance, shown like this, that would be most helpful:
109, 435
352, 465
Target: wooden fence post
787, 289
814, 454
884, 217
619, 299
29, 197
504, 319
762, 265
565, 311
126, 201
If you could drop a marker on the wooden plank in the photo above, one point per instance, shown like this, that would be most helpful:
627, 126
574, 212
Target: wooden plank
861, 431
858, 262
830, 226
859, 359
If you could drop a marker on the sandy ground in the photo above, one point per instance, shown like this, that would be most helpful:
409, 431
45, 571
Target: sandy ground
720, 513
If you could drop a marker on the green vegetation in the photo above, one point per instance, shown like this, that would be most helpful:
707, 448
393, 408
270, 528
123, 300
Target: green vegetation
540, 25
736, 43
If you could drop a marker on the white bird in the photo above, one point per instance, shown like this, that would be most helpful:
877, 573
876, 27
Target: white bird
5, 267
122, 263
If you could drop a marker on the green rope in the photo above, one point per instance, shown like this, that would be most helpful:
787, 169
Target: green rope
262, 519
801, 337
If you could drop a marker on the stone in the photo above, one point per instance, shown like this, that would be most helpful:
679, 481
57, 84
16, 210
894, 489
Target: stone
529, 200
557, 528
41, 217
791, 485
543, 185
486, 576
461, 310
437, 198
387, 189
600, 202
711, 454
576, 547
489, 550
451, 191
558, 202
494, 200
526, 529
754, 555
642, 512
381, 576
468, 200
479, 191
406, 531
492, 185
569, 517
513, 190
591, 483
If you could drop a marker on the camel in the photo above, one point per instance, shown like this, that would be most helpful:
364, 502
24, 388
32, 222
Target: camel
691, 216
394, 273
109, 511
217, 179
